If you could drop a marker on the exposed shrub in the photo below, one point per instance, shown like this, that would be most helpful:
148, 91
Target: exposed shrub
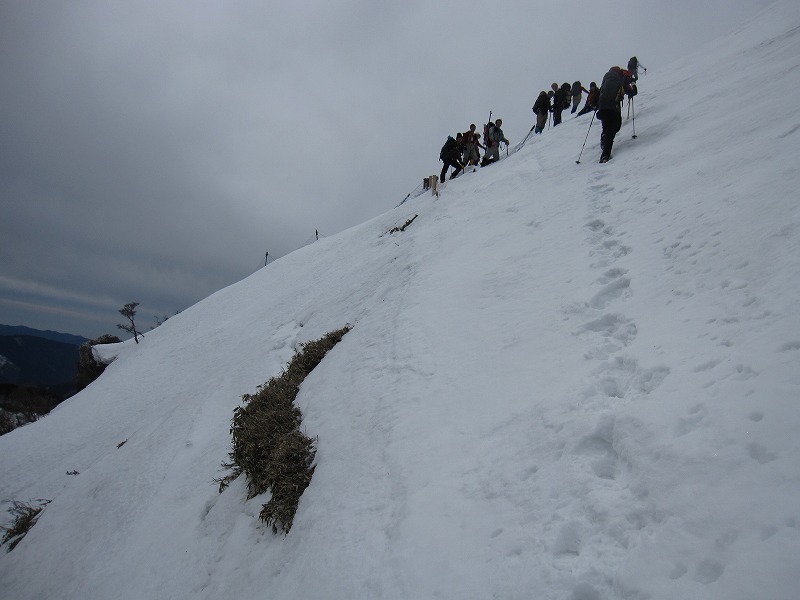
25, 515
89, 368
24, 404
30, 401
9, 421
403, 226
268, 446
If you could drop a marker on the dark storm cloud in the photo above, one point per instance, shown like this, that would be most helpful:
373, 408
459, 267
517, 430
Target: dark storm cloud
154, 151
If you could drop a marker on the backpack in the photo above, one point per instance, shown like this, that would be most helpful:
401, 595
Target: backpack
447, 150
593, 97
487, 129
566, 91
610, 89
542, 104
628, 79
576, 88
633, 64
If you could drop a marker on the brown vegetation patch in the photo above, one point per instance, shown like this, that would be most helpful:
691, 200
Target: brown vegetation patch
268, 446
25, 516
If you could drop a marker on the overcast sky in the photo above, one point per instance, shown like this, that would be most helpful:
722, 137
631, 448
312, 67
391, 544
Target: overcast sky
155, 151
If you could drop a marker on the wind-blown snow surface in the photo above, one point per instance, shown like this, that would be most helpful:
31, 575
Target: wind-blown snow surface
563, 382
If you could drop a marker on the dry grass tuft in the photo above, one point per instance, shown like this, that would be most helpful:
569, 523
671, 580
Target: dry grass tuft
268, 446
25, 516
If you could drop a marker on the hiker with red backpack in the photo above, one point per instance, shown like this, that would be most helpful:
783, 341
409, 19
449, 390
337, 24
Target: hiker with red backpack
616, 84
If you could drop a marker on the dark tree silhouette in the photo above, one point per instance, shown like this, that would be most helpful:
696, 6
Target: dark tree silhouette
129, 312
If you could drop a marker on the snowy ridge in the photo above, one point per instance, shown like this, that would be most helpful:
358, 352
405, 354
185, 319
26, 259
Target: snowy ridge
563, 382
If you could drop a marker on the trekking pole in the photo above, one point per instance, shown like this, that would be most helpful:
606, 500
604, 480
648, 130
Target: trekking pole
629, 110
525, 139
577, 162
634, 118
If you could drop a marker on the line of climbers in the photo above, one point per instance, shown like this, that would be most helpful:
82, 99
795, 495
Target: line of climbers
559, 99
462, 151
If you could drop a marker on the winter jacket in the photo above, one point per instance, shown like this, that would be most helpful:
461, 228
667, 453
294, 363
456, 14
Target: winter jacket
591, 99
450, 150
496, 135
561, 97
471, 138
566, 91
615, 85
542, 104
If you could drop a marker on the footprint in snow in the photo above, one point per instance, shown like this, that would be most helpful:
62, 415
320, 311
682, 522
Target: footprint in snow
697, 416
760, 453
611, 275
616, 249
708, 571
596, 225
611, 327
611, 292
621, 377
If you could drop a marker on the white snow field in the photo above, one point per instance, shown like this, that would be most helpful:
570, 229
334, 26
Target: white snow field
564, 381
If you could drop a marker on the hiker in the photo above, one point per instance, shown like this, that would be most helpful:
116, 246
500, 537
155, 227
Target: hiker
633, 67
577, 95
615, 85
460, 150
495, 136
450, 155
566, 90
542, 109
472, 142
558, 103
591, 99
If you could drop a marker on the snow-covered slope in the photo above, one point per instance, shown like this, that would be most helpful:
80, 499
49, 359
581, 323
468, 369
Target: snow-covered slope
563, 382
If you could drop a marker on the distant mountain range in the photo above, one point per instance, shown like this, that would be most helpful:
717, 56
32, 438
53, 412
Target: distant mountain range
37, 358
37, 372
67, 338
